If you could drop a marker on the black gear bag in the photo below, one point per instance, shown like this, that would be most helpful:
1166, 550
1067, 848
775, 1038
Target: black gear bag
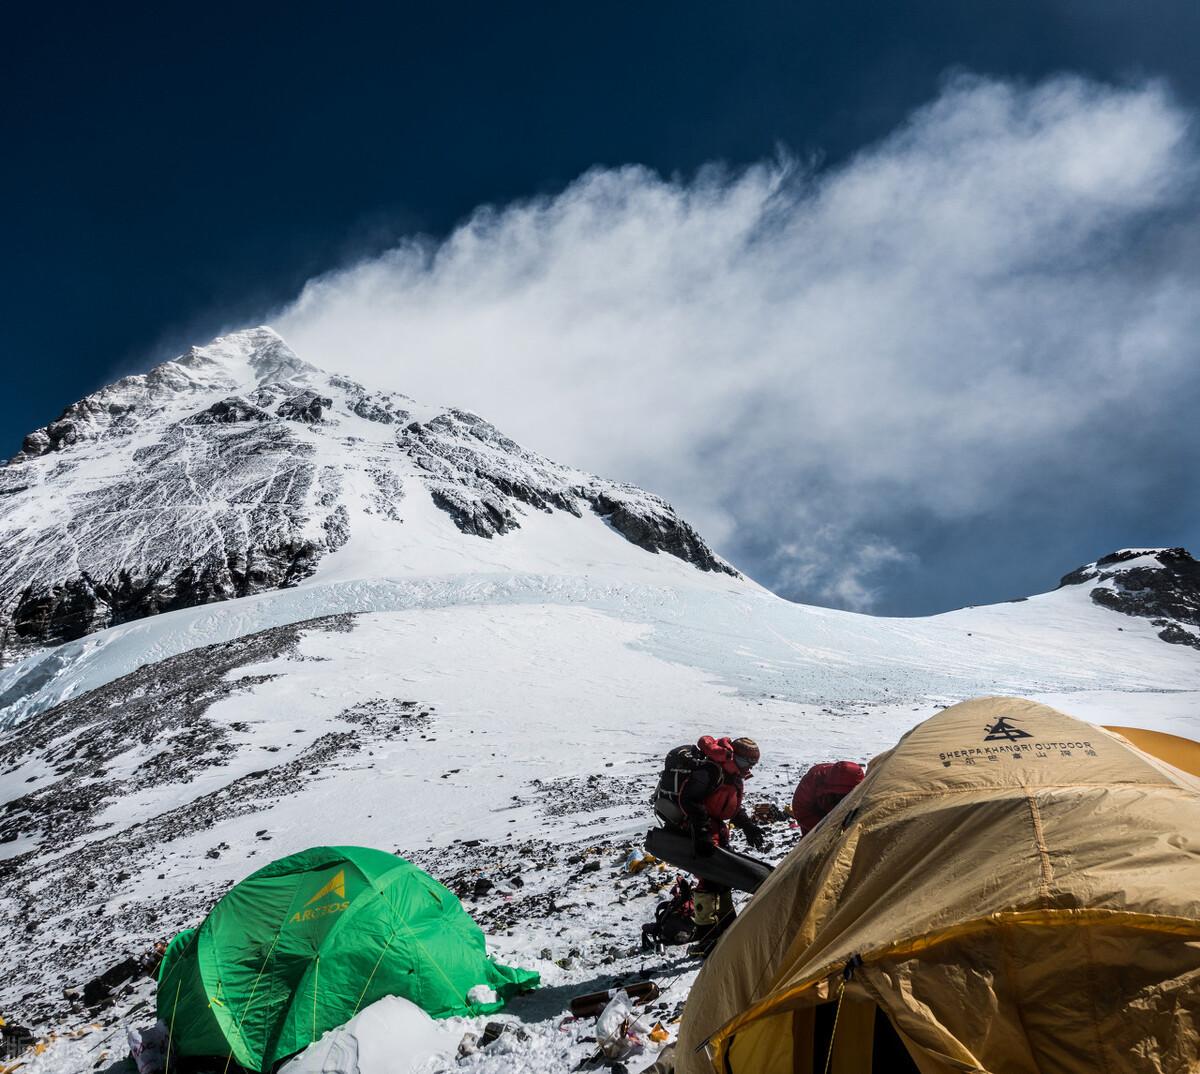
680, 763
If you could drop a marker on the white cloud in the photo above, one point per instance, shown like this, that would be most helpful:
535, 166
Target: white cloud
795, 358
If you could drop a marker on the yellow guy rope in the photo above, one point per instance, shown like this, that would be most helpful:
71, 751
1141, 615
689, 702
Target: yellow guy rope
246, 1008
171, 1028
363, 993
833, 1032
316, 985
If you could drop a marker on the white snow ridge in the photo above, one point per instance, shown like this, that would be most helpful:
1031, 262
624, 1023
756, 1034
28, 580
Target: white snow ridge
248, 606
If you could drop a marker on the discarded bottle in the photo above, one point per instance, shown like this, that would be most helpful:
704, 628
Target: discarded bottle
594, 1002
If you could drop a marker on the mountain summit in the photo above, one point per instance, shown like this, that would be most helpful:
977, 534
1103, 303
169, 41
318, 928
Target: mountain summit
238, 468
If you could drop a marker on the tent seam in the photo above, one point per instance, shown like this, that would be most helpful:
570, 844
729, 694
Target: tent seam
1039, 835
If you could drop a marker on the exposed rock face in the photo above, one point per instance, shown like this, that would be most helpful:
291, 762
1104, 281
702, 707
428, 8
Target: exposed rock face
306, 406
480, 477
228, 411
237, 468
200, 515
1160, 584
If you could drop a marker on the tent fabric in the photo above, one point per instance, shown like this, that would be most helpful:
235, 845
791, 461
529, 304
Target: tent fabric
306, 942
1182, 753
1013, 888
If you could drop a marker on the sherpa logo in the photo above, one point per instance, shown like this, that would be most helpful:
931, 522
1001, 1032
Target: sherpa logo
1003, 729
1006, 741
336, 886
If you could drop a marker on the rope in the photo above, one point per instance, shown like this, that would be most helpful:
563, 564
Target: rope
833, 1032
316, 987
433, 961
171, 1028
363, 993
250, 999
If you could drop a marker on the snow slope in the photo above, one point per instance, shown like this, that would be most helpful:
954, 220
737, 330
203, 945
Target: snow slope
494, 708
525, 714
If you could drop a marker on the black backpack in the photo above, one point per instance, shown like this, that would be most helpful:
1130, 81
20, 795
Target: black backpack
674, 920
680, 763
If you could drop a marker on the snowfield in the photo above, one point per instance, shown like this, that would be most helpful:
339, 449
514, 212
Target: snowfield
494, 708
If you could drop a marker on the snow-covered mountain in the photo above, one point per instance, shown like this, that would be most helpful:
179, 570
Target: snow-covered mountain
364, 621
238, 468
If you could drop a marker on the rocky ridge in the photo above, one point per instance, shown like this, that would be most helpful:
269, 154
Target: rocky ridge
1158, 584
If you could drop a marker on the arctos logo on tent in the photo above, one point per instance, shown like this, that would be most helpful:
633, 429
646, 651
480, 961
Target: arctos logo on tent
337, 887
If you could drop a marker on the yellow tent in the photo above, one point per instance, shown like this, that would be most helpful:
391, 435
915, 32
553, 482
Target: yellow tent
1009, 890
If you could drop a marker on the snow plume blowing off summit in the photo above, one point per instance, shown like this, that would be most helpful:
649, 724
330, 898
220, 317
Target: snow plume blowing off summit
940, 343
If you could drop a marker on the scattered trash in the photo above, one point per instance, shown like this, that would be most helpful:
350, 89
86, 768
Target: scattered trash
600, 1062
497, 1031
639, 859
148, 1047
498, 1038
14, 1039
768, 813
659, 1033
594, 1002
149, 962
619, 1033
674, 921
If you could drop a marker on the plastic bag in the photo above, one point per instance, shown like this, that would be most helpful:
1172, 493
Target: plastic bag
148, 1047
618, 1032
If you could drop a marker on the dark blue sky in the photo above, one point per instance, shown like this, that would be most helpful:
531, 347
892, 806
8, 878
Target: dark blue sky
169, 170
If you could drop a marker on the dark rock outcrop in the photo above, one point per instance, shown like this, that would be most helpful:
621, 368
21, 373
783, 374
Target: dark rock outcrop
481, 478
1165, 590
82, 604
119, 408
234, 409
306, 406
656, 528
205, 512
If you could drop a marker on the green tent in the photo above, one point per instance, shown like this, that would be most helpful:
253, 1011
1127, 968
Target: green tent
306, 942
